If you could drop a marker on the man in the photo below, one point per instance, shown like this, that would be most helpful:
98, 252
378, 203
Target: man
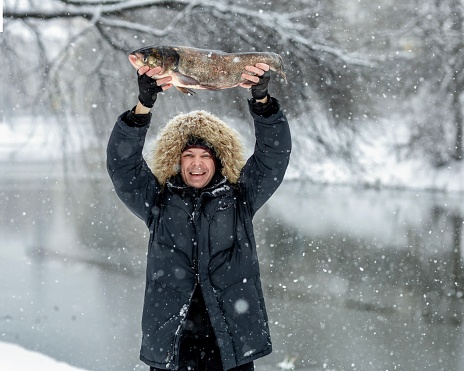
204, 306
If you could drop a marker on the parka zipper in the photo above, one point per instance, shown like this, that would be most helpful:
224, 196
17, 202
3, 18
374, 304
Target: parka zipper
175, 357
196, 214
197, 273
180, 330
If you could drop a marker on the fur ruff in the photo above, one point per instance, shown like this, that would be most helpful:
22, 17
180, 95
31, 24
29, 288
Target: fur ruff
164, 157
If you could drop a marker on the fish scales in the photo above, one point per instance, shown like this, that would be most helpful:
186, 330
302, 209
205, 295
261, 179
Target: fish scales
221, 69
193, 68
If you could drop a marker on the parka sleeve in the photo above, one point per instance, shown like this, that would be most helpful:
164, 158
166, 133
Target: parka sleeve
265, 169
133, 181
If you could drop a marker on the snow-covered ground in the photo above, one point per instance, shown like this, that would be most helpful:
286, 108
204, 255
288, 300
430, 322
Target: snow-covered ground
15, 358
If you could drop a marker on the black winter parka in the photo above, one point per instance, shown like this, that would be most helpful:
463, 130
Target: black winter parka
202, 237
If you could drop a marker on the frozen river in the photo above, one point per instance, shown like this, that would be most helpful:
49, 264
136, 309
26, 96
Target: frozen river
354, 279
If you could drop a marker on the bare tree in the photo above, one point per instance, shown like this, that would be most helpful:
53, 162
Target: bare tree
430, 40
85, 69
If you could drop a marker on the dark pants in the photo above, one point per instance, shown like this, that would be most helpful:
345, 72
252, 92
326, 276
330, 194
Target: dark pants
202, 354
245, 367
198, 347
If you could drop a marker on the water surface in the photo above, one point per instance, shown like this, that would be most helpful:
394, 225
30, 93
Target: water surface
354, 279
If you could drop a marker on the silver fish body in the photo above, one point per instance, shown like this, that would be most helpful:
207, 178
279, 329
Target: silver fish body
192, 68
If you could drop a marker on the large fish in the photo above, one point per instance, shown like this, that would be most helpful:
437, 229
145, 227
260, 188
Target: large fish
192, 68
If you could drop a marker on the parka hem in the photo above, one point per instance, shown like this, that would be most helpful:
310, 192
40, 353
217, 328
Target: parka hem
254, 357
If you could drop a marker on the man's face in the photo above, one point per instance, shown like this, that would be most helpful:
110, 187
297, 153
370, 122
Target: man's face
197, 167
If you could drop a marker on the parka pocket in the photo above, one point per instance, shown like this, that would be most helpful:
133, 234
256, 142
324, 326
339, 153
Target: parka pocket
241, 306
164, 311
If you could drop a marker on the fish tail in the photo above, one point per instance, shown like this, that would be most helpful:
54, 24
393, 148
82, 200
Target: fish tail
279, 66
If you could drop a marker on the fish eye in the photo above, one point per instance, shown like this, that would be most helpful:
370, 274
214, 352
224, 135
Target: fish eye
144, 59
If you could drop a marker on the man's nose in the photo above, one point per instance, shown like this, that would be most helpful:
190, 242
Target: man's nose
197, 160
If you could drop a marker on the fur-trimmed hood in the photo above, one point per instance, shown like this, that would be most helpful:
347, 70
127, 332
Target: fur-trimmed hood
164, 156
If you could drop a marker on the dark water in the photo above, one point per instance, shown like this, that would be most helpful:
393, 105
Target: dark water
354, 279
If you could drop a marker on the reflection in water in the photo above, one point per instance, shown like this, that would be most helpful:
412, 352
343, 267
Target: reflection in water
346, 296
354, 279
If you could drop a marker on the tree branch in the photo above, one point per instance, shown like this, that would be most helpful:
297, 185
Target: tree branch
282, 24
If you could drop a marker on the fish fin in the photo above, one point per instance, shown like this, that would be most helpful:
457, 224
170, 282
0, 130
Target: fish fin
214, 88
184, 79
185, 90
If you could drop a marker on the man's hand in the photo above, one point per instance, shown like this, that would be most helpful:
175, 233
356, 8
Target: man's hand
258, 81
148, 86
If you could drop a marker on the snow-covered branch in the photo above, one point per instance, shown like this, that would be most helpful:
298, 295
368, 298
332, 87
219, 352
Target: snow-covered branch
284, 25
99, 31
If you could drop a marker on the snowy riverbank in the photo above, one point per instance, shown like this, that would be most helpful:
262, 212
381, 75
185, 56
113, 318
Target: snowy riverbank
16, 358
29, 149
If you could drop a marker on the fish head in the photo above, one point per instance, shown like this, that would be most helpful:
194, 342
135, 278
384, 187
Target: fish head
149, 56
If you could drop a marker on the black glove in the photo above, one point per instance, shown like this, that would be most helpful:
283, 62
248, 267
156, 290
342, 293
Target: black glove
148, 90
259, 90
